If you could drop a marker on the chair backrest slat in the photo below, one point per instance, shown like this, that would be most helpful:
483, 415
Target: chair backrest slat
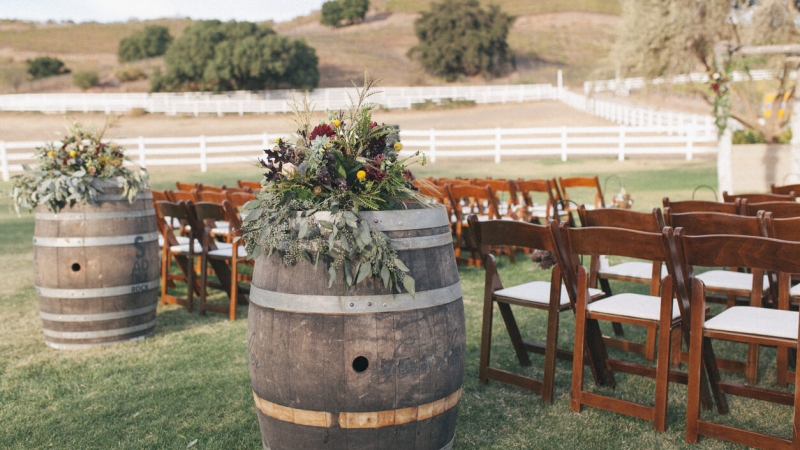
685, 206
778, 209
740, 251
651, 222
698, 223
511, 232
758, 197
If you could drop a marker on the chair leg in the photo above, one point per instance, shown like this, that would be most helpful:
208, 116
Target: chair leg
677, 349
751, 372
577, 354
203, 284
662, 369
650, 343
551, 346
796, 416
486, 340
164, 272
695, 361
234, 286
513, 333
782, 366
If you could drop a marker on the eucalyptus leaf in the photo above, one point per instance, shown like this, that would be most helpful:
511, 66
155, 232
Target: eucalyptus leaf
408, 284
364, 271
400, 265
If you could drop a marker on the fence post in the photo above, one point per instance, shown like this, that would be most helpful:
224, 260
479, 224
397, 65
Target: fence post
564, 143
497, 145
142, 163
3, 161
621, 156
433, 145
203, 165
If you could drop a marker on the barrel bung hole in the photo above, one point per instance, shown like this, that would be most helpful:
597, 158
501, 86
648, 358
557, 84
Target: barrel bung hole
360, 364
76, 267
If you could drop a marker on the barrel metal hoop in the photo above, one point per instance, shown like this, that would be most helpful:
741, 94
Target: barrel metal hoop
96, 215
97, 317
336, 304
115, 197
98, 292
94, 241
357, 420
98, 333
69, 346
412, 219
414, 243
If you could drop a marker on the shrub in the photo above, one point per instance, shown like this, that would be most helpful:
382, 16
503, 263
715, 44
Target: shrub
151, 41
46, 66
129, 73
85, 79
459, 38
337, 12
211, 55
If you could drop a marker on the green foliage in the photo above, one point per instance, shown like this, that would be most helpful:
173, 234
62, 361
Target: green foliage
459, 38
217, 56
45, 66
757, 137
339, 12
86, 79
151, 41
67, 173
129, 73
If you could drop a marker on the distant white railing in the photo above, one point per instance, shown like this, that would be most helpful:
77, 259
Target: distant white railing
626, 84
275, 101
495, 143
671, 121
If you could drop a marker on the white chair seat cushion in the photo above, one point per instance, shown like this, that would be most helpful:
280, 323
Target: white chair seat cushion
225, 253
182, 240
184, 248
222, 231
756, 321
633, 269
537, 292
637, 306
795, 290
729, 279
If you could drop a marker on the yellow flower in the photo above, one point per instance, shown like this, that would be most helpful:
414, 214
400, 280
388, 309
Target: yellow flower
337, 122
50, 154
72, 153
361, 175
398, 146
317, 190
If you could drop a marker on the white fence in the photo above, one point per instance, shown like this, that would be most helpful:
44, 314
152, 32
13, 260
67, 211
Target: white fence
495, 143
626, 84
268, 101
669, 121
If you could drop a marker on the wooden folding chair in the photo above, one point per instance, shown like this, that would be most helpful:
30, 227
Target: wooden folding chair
534, 211
572, 184
758, 197
239, 198
187, 186
210, 188
779, 210
503, 190
636, 309
180, 249
685, 206
549, 296
470, 199
254, 185
785, 189
747, 324
223, 259
211, 196
650, 273
786, 229
182, 196
732, 284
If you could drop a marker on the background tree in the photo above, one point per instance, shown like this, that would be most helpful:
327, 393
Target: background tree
217, 56
151, 41
45, 66
339, 12
670, 37
459, 38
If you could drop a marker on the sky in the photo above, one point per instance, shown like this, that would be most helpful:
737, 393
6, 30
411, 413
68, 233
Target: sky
123, 10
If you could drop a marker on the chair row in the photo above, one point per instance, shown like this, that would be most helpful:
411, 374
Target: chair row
692, 242
200, 251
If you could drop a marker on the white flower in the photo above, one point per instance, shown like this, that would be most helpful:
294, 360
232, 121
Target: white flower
716, 76
288, 170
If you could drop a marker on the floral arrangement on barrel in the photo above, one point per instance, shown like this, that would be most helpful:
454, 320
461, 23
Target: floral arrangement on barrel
317, 182
68, 171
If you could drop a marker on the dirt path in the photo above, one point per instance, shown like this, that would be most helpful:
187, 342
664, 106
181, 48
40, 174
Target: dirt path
37, 126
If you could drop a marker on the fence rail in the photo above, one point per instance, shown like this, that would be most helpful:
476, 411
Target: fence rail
276, 101
626, 84
494, 143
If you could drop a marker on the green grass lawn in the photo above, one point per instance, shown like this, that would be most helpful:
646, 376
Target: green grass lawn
188, 386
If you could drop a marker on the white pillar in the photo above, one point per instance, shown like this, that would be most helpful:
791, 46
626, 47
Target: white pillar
725, 163
795, 143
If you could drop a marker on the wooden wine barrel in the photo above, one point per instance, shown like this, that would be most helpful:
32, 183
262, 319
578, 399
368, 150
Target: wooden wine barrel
97, 270
333, 368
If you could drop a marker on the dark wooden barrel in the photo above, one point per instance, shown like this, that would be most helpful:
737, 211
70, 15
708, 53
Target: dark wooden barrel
97, 270
333, 368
